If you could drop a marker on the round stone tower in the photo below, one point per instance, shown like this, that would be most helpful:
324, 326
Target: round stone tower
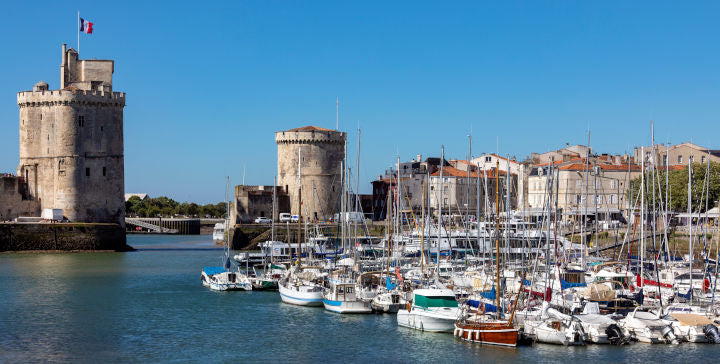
322, 152
71, 142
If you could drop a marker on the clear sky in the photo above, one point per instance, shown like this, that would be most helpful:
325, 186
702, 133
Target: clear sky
208, 83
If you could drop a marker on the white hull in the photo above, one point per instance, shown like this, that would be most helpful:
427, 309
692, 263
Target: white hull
298, 295
347, 306
426, 320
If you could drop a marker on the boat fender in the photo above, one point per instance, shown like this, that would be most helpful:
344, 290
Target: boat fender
408, 306
711, 333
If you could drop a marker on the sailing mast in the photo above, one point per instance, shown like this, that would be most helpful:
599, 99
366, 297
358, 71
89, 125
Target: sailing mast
689, 209
440, 203
422, 232
642, 216
497, 235
299, 206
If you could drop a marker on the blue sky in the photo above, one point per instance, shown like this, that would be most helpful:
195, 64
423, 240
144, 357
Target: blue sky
208, 83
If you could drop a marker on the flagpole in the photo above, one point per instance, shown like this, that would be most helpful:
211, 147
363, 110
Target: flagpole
78, 31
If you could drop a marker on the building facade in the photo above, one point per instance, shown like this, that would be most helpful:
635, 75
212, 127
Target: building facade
678, 154
583, 191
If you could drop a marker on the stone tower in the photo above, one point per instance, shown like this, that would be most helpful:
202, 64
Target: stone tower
322, 152
71, 142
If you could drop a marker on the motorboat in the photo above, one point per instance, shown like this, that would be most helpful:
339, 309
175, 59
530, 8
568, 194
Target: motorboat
646, 325
219, 232
599, 328
432, 309
342, 298
388, 301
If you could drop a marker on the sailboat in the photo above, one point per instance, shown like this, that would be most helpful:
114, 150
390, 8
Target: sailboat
223, 278
484, 327
301, 286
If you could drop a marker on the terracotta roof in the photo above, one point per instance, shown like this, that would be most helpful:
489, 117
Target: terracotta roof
454, 172
604, 167
677, 167
580, 159
310, 128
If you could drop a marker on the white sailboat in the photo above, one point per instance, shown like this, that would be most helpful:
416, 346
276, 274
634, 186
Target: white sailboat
222, 278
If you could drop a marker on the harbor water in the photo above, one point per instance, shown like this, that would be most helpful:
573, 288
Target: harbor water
149, 306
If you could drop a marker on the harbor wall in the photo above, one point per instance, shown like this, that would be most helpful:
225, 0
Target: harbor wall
62, 236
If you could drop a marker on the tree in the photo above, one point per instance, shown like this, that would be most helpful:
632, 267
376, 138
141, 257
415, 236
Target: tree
678, 184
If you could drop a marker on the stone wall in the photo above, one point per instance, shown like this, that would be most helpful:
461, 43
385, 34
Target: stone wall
322, 153
14, 201
62, 236
254, 201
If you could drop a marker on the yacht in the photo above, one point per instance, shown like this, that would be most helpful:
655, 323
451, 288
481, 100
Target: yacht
342, 298
219, 232
432, 309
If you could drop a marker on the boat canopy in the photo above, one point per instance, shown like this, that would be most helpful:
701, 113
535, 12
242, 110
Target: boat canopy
435, 301
213, 270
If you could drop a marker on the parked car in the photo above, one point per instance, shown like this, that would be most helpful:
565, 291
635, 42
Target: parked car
285, 217
263, 220
295, 218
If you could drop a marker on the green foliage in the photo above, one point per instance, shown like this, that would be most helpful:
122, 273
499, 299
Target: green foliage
167, 207
678, 183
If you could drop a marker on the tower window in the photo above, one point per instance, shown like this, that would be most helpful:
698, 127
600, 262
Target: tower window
81, 120
87, 172
104, 172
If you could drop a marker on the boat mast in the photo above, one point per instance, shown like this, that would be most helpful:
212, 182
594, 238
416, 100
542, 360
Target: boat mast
357, 191
440, 203
227, 221
642, 216
497, 235
689, 209
299, 206
422, 232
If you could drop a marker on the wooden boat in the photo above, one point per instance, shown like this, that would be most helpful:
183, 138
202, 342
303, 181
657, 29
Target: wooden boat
486, 330
481, 327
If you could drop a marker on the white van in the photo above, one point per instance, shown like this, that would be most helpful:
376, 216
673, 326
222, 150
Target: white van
285, 217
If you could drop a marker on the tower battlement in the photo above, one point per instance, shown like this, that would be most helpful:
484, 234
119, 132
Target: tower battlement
70, 97
312, 136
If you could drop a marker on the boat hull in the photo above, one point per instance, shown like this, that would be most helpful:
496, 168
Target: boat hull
346, 306
489, 333
420, 321
299, 297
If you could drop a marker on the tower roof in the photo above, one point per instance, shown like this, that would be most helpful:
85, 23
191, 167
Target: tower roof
310, 128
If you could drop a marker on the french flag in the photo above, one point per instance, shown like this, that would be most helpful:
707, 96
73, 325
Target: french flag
86, 26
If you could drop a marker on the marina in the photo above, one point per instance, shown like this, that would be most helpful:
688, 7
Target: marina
157, 311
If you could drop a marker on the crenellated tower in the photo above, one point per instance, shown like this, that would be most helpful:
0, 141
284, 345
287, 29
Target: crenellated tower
71, 142
322, 152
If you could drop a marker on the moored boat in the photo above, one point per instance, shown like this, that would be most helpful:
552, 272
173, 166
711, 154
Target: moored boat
432, 309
